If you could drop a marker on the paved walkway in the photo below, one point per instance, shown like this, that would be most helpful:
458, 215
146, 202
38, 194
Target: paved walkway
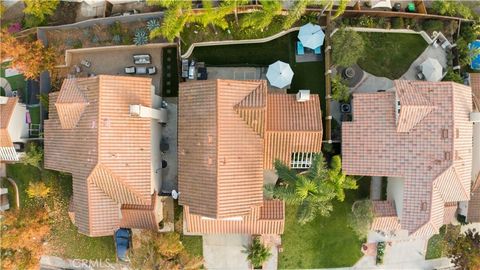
376, 188
169, 174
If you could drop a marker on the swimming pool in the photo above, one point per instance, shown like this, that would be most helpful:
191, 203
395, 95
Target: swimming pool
476, 61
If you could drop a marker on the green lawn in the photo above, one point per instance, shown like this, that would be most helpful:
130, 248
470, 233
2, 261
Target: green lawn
307, 75
64, 239
192, 243
326, 242
390, 54
17, 82
436, 243
34, 114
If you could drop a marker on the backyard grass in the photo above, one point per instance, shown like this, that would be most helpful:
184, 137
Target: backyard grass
326, 242
308, 75
436, 247
65, 241
193, 243
17, 82
34, 114
390, 54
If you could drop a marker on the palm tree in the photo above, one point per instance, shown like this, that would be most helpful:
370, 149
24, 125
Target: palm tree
258, 253
213, 16
235, 4
174, 20
295, 12
312, 190
260, 19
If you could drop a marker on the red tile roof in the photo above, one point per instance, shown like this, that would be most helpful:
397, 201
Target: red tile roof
229, 131
7, 151
431, 152
106, 151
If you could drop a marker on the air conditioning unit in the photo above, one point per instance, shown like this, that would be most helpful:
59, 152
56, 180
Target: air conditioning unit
303, 95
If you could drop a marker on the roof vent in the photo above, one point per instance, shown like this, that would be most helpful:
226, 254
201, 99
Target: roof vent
303, 95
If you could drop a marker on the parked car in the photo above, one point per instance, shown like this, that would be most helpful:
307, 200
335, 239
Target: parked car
123, 243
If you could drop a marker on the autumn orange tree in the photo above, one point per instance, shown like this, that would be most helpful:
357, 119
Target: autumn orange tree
31, 58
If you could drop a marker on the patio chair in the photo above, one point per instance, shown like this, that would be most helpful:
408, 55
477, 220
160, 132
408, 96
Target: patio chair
140, 59
152, 70
317, 50
300, 48
420, 76
130, 70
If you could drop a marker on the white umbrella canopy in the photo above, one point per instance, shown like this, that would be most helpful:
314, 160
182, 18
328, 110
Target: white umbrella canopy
311, 36
432, 70
280, 74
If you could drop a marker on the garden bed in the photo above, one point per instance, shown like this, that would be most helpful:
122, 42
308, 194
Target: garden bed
170, 72
96, 35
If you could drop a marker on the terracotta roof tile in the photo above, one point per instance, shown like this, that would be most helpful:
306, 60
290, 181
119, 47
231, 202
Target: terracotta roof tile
140, 216
223, 132
249, 224
7, 151
474, 203
107, 138
433, 157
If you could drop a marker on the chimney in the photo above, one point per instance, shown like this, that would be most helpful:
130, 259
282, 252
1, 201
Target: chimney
145, 112
3, 100
303, 95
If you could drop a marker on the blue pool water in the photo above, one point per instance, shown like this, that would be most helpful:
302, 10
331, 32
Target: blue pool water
475, 62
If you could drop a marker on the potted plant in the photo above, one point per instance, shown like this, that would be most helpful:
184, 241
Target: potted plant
258, 253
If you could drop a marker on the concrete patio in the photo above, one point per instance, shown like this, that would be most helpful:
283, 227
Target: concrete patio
224, 251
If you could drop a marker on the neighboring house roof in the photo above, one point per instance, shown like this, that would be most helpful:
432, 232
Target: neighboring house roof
227, 129
385, 216
431, 151
7, 151
475, 84
474, 203
91, 135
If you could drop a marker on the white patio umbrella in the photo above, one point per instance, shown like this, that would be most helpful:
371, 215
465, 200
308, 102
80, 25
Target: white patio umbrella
432, 70
279, 74
311, 36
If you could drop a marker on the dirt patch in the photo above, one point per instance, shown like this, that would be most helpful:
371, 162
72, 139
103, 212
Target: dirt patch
65, 13
98, 35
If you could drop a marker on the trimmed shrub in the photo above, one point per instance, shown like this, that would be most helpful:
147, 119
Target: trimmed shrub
398, 23
432, 25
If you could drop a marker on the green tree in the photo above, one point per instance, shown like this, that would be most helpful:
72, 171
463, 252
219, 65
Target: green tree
295, 12
234, 5
177, 15
261, 19
453, 8
464, 250
40, 9
33, 156
313, 190
2, 8
214, 16
43, 97
37, 190
340, 91
452, 76
361, 217
347, 47
257, 253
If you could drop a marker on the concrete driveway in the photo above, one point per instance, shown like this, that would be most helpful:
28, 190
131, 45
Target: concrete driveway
225, 251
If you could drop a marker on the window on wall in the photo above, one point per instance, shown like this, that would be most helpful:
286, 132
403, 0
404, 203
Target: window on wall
301, 160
